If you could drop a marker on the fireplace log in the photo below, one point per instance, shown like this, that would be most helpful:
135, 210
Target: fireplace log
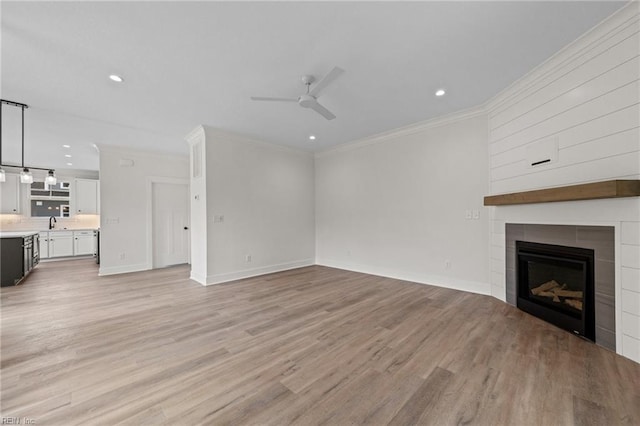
568, 293
549, 294
574, 303
545, 288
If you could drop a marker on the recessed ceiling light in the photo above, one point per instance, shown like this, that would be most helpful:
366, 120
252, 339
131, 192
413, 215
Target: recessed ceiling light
440, 92
68, 155
66, 146
116, 78
312, 137
69, 164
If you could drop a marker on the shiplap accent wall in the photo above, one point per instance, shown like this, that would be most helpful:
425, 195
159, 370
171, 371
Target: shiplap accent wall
586, 100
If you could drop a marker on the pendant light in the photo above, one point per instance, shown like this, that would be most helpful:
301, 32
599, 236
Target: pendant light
51, 178
25, 175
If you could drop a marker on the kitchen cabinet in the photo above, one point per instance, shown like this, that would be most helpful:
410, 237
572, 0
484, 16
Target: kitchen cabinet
86, 196
84, 243
19, 254
67, 243
10, 195
60, 243
44, 245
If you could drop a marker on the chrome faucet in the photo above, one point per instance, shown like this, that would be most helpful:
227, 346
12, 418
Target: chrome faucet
52, 224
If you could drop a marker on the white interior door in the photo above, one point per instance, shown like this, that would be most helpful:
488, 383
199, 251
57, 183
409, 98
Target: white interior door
170, 224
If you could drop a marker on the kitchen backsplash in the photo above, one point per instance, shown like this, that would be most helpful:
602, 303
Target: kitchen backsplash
14, 222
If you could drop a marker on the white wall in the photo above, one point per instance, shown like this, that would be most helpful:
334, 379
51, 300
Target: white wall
396, 205
198, 204
124, 205
587, 99
266, 195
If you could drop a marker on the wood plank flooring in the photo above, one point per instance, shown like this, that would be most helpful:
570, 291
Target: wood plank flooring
309, 346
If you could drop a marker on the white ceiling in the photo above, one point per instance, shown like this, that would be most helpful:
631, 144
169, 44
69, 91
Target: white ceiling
191, 63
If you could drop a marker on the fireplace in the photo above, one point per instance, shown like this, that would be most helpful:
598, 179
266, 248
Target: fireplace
556, 284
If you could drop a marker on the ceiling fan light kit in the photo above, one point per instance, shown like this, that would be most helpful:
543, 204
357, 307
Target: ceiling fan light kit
310, 99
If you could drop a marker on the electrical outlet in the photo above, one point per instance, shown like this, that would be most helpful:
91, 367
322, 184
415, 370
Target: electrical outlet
447, 264
468, 214
122, 256
476, 214
248, 258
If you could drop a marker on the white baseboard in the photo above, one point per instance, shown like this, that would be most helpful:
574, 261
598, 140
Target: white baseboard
112, 270
58, 259
248, 273
200, 279
477, 287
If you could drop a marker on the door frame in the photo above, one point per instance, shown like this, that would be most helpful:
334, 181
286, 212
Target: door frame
170, 180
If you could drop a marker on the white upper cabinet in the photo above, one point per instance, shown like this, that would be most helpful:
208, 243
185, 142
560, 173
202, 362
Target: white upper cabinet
86, 196
10, 194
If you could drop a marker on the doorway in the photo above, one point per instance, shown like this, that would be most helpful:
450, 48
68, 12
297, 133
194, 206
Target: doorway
170, 224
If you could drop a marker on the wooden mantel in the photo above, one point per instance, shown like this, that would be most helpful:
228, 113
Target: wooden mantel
586, 191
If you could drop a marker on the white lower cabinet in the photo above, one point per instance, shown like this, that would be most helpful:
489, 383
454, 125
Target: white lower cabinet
84, 242
67, 243
44, 245
60, 243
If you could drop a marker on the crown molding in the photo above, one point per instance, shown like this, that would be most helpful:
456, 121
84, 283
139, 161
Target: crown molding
616, 20
195, 136
215, 132
405, 131
129, 151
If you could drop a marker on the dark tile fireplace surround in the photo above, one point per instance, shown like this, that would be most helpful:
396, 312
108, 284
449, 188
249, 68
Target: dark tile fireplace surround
598, 240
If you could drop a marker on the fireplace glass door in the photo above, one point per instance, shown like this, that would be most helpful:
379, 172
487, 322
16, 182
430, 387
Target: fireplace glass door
556, 284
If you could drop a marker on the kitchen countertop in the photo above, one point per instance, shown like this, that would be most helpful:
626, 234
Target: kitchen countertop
62, 229
17, 234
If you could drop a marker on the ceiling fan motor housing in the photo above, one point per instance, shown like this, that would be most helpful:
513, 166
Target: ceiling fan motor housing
307, 79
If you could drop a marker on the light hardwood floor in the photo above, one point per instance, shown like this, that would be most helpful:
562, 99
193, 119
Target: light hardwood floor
309, 346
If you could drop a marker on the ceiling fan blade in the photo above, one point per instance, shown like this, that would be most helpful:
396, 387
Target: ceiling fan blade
259, 98
322, 111
326, 80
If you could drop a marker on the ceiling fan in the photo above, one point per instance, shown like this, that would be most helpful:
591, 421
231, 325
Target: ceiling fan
310, 99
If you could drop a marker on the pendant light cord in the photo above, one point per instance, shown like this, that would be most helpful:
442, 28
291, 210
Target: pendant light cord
22, 108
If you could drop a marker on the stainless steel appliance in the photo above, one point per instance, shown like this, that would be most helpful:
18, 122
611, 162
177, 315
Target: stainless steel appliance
97, 234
